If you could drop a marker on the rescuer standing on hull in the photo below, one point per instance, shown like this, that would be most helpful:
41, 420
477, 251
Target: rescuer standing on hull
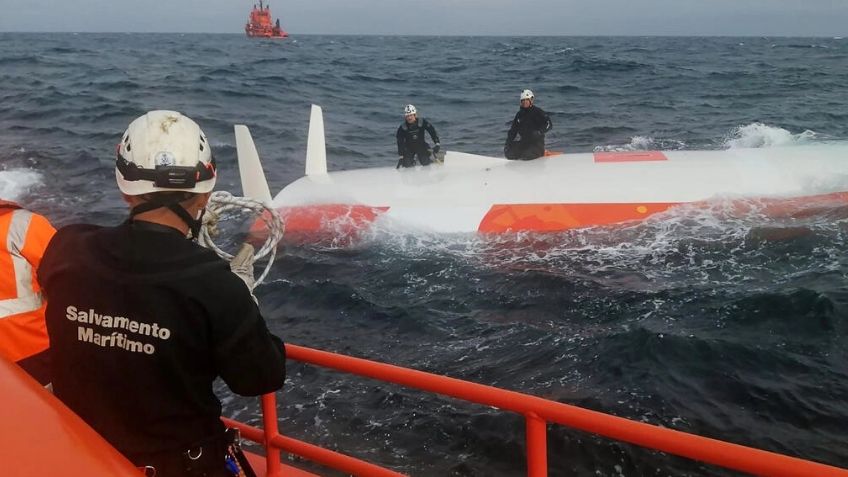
23, 335
142, 320
410, 139
530, 124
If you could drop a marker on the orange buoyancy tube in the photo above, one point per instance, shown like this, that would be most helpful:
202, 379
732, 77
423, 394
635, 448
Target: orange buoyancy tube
23, 238
42, 437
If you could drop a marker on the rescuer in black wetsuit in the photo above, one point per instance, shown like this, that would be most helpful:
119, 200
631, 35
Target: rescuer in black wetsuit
410, 139
530, 125
143, 320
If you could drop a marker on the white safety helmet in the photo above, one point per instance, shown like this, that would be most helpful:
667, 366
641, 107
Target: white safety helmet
527, 94
409, 109
164, 151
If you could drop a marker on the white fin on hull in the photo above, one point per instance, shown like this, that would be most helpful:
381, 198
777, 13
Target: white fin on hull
316, 149
253, 182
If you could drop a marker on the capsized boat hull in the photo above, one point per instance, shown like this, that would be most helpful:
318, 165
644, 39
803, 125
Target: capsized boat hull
470, 193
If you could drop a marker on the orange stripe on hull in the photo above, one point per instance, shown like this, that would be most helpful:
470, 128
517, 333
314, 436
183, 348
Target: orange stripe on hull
554, 217
333, 220
340, 221
338, 217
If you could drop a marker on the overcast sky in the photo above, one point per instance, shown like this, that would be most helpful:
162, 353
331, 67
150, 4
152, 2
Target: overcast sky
441, 17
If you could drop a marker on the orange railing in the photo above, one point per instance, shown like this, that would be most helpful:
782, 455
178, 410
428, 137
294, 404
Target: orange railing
537, 412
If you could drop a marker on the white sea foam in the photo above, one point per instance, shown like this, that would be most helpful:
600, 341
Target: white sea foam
15, 183
643, 143
692, 245
763, 135
751, 135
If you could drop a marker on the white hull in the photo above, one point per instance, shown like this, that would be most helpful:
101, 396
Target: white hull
470, 193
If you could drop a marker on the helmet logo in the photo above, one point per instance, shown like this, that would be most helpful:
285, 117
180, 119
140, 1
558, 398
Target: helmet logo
164, 158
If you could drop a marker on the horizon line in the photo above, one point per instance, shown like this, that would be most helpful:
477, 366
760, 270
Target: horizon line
618, 35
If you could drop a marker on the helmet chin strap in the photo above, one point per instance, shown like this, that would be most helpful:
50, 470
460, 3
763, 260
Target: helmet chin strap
174, 206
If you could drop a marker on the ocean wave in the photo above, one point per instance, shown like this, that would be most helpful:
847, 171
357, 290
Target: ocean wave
607, 131
116, 85
762, 135
644, 143
16, 183
800, 46
607, 65
20, 60
370, 78
66, 50
567, 88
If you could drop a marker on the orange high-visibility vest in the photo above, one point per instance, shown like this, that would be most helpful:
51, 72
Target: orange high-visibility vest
23, 238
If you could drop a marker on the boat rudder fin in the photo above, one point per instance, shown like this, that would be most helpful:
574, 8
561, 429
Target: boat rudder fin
316, 149
253, 182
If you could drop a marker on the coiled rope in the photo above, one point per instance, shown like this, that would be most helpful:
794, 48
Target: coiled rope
222, 202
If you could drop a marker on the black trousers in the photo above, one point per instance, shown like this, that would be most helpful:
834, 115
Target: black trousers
532, 147
38, 366
423, 156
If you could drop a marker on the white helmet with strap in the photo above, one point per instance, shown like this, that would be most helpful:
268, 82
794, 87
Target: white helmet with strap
164, 151
526, 94
409, 109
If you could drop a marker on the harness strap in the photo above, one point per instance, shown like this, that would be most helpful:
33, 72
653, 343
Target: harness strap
222, 451
175, 207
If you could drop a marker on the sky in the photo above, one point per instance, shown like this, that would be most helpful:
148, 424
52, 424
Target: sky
826, 18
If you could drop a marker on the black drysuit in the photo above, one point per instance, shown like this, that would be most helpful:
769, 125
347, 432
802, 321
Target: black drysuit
411, 143
141, 323
530, 125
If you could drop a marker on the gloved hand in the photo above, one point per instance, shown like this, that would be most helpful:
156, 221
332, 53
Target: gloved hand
242, 265
506, 149
436, 148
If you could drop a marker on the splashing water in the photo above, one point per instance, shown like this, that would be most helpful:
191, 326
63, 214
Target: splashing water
643, 143
762, 135
16, 183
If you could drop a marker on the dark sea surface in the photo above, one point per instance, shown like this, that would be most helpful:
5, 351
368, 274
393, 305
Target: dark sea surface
697, 320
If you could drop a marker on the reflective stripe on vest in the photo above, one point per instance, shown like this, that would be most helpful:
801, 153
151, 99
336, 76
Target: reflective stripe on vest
16, 286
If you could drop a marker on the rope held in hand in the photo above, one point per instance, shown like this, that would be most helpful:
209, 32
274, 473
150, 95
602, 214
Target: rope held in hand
222, 202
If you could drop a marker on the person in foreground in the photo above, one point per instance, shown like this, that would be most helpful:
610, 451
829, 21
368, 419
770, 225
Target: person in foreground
142, 319
530, 124
24, 236
411, 142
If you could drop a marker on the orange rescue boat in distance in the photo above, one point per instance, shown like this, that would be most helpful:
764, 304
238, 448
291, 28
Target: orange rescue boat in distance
259, 24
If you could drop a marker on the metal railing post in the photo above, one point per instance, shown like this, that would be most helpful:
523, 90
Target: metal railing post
537, 445
273, 466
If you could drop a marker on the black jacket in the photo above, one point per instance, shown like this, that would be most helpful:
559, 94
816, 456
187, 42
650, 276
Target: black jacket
529, 123
410, 137
141, 322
